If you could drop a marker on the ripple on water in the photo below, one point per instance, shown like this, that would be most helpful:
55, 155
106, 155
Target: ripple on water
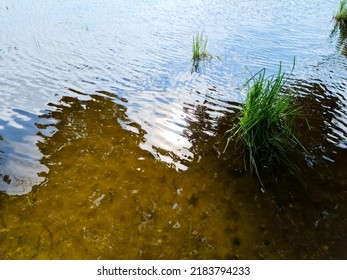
20, 166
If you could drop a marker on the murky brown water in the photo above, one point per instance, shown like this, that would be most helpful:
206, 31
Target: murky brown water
111, 146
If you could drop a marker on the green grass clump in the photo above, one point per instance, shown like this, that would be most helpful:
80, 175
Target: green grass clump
341, 15
199, 48
265, 125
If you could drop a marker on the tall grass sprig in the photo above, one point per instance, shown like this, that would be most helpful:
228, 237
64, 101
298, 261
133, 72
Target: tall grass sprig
265, 123
341, 15
199, 48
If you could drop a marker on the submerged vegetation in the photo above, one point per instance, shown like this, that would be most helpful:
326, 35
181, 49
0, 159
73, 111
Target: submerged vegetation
341, 15
265, 125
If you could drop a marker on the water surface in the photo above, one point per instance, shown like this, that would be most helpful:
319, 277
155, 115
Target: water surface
111, 146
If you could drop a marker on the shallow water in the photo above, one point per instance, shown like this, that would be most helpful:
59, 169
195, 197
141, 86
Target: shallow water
111, 146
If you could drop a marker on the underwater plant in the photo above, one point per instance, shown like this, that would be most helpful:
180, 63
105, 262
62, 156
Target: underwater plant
265, 123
